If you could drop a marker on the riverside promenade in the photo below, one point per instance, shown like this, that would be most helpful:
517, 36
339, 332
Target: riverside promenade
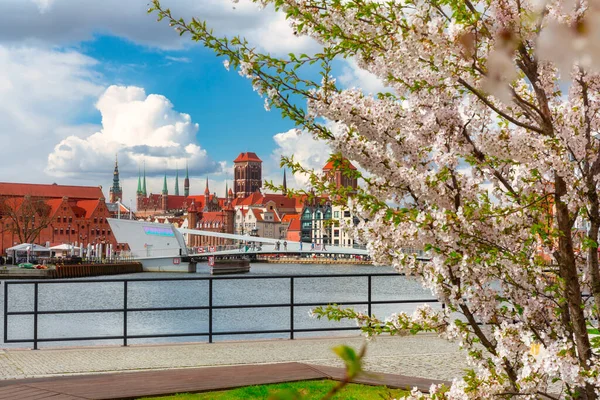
413, 361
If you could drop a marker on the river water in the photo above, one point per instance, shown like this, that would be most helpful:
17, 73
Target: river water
186, 293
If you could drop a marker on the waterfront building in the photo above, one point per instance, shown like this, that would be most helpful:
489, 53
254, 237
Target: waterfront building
316, 222
53, 214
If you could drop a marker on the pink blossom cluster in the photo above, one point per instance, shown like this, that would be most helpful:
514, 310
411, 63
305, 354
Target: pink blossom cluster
488, 146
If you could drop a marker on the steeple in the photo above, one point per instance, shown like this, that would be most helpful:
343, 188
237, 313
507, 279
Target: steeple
116, 192
177, 182
139, 189
206, 197
165, 190
226, 189
186, 182
144, 183
284, 183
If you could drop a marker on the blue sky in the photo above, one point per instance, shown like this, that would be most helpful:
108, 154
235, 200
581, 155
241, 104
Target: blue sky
83, 80
221, 101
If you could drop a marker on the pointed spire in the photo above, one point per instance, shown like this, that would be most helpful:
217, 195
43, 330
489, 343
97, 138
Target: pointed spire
284, 183
177, 182
165, 190
206, 191
116, 192
144, 182
139, 189
226, 191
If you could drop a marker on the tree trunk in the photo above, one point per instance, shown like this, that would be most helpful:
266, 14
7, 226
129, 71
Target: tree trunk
568, 272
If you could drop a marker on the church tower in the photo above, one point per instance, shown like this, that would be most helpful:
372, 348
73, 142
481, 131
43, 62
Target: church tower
116, 191
164, 194
186, 182
177, 182
284, 183
206, 197
247, 174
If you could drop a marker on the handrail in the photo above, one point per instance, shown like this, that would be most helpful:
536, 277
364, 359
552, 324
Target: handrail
126, 309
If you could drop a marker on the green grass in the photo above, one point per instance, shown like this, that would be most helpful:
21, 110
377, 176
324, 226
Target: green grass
312, 390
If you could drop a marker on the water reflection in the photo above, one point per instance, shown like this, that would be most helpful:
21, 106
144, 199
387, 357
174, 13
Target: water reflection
109, 295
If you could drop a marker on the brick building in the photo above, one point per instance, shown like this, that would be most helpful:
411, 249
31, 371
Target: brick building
247, 170
62, 214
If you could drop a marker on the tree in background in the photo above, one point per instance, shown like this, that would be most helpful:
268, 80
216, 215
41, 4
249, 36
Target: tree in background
487, 141
26, 216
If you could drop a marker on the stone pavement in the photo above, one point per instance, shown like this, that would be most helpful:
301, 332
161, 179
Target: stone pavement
423, 355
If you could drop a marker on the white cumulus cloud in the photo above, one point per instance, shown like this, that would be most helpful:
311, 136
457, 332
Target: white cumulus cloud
354, 76
41, 91
141, 129
308, 151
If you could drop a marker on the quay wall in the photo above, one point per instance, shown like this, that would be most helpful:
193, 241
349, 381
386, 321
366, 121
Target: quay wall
72, 271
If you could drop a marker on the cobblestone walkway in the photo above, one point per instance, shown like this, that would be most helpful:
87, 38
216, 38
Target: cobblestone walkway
423, 356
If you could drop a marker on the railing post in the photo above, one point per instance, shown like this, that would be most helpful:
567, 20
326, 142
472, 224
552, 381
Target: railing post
125, 290
35, 316
369, 296
5, 311
292, 307
210, 310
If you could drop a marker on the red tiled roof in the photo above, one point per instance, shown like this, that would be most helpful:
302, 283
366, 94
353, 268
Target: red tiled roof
213, 216
89, 206
294, 225
249, 156
289, 217
329, 166
50, 191
257, 214
54, 205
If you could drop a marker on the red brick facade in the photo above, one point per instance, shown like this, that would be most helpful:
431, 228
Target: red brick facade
75, 214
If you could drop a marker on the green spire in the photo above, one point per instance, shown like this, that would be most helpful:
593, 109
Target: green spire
226, 189
177, 183
139, 189
165, 190
144, 183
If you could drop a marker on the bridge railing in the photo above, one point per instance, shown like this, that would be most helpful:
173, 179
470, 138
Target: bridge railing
127, 311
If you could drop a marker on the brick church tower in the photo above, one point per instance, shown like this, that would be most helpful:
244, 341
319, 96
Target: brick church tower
247, 174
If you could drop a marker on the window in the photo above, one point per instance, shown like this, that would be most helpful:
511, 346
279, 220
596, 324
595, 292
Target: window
95, 220
346, 214
61, 231
70, 219
336, 242
336, 233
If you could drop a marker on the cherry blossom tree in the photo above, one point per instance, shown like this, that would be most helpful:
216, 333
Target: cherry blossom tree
484, 151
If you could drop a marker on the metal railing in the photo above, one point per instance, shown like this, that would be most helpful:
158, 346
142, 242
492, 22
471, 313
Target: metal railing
125, 310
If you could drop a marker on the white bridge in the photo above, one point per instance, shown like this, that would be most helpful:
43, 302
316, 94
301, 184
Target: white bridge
258, 245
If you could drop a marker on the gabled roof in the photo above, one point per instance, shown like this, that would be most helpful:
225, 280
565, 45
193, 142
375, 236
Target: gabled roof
89, 206
54, 205
50, 191
257, 214
249, 156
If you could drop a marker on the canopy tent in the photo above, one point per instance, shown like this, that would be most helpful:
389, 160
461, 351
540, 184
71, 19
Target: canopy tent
25, 251
65, 249
31, 247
